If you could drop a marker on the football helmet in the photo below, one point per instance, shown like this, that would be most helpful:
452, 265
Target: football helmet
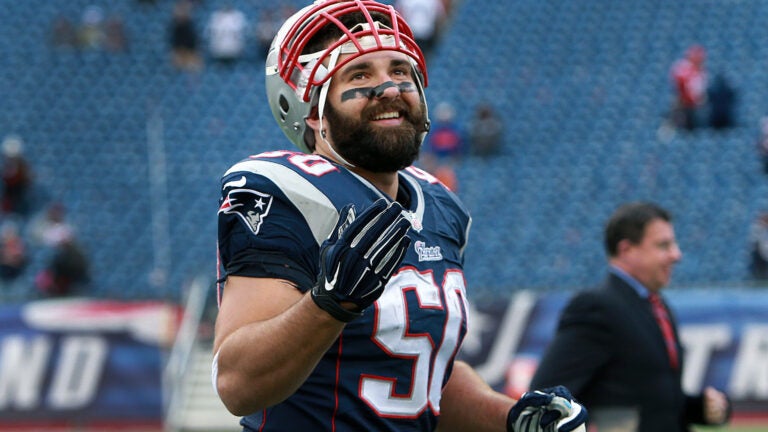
297, 82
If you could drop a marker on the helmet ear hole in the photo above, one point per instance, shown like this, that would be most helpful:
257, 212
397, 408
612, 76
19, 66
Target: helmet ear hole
284, 105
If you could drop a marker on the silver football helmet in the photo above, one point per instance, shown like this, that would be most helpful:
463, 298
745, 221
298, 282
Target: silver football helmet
296, 81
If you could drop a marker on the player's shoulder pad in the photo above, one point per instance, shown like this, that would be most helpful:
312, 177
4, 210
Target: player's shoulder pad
285, 170
264, 163
254, 185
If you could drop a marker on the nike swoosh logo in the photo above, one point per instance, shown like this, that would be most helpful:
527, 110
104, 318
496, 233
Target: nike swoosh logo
330, 285
235, 183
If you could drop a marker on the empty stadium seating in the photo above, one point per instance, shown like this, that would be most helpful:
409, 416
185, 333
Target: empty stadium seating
583, 88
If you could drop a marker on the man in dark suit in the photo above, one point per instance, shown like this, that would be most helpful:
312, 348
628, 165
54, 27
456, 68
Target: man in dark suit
616, 347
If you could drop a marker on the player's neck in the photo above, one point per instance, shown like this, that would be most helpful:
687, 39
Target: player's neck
385, 182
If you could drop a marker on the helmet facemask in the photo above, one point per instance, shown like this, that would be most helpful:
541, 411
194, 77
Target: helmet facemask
298, 83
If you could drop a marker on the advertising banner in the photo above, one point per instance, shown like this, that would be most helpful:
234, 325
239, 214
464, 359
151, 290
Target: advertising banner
80, 362
724, 333
84, 362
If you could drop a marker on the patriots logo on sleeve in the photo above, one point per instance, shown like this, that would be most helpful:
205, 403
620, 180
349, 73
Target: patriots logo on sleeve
252, 206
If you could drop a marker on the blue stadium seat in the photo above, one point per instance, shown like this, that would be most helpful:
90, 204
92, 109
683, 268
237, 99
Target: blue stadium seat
583, 88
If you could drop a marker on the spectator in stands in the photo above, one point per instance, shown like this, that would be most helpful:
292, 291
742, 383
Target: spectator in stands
762, 143
616, 346
486, 131
445, 140
266, 27
63, 34
758, 241
442, 170
689, 79
722, 99
184, 40
426, 18
226, 31
115, 37
67, 271
17, 177
13, 252
50, 227
91, 32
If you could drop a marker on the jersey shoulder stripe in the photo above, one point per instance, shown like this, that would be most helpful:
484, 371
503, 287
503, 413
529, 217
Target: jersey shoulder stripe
313, 204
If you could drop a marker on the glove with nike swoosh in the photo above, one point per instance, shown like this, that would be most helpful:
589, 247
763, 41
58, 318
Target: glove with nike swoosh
358, 258
550, 410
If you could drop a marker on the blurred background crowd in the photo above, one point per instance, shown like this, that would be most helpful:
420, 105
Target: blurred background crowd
119, 117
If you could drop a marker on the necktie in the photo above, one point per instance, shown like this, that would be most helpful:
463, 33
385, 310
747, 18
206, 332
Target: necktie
660, 312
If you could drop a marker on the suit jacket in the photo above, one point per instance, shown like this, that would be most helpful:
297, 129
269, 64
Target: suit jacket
610, 352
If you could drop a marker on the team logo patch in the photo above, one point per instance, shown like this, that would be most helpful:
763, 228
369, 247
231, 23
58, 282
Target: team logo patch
427, 253
414, 219
252, 206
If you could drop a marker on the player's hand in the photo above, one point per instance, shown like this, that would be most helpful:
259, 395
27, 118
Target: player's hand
551, 410
358, 258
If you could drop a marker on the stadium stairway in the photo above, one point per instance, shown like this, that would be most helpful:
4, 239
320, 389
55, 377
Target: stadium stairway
199, 408
191, 405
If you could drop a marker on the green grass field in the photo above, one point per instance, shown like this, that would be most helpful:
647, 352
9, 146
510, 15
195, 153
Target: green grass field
733, 428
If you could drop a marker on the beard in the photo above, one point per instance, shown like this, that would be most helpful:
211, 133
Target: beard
378, 149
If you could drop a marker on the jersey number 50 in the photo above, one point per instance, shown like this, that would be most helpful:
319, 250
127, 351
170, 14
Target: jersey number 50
395, 335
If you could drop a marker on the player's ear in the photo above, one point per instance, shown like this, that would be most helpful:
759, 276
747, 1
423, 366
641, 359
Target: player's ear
314, 124
313, 120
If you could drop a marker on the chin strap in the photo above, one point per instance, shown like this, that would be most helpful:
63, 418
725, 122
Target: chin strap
321, 107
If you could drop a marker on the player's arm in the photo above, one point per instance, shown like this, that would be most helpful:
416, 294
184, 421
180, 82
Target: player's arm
469, 403
269, 337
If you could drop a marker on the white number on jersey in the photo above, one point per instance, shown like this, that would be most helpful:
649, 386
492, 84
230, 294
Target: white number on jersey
395, 336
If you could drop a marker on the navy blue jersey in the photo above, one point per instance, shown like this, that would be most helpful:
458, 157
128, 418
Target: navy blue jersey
387, 369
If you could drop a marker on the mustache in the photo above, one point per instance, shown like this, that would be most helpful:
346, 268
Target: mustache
398, 105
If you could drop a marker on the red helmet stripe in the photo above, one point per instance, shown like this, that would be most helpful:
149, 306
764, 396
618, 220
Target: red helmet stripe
303, 30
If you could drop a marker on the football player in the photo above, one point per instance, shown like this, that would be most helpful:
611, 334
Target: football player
343, 299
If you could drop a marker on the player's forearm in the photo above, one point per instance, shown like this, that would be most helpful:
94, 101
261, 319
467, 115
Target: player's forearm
468, 403
263, 363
